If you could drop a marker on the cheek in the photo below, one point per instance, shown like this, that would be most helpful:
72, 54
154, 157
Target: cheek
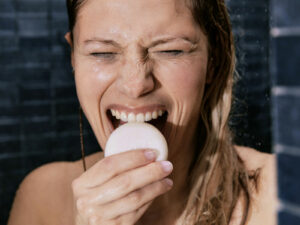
184, 80
91, 82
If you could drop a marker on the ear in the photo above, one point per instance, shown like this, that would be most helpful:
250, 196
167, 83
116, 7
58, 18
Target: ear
70, 42
69, 39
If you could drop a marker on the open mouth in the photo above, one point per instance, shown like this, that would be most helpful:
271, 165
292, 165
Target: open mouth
157, 118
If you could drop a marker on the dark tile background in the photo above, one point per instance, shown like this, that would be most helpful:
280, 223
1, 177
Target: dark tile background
287, 51
38, 104
39, 108
250, 117
288, 218
289, 169
285, 74
285, 13
287, 108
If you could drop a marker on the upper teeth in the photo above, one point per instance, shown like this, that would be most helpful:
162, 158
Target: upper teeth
140, 117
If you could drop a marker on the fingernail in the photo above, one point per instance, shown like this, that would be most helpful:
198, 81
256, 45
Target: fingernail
150, 154
167, 166
169, 182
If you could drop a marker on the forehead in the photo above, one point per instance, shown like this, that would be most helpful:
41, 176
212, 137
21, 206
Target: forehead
134, 18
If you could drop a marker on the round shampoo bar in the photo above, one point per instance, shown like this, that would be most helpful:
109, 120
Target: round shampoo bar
133, 136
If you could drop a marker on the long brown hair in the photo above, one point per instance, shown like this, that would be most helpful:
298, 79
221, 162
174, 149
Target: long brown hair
216, 161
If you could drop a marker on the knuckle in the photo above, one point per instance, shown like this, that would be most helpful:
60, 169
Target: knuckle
125, 182
108, 164
75, 186
79, 204
93, 220
135, 198
88, 211
117, 221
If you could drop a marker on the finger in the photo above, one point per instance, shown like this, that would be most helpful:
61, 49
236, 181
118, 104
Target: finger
113, 165
127, 182
136, 199
129, 218
133, 217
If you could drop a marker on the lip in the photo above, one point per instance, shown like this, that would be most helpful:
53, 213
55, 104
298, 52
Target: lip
136, 109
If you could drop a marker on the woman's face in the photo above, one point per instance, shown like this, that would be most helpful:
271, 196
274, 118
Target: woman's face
139, 59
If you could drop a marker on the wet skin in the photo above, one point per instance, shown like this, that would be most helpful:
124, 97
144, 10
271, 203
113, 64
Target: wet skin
135, 56
138, 55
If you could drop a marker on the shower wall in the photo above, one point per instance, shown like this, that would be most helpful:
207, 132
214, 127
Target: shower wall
285, 73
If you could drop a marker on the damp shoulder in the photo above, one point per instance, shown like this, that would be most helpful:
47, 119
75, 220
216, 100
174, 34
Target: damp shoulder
264, 198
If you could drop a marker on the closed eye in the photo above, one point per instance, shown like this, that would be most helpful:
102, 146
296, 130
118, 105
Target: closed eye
172, 52
104, 55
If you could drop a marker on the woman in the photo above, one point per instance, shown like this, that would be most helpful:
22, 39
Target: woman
173, 60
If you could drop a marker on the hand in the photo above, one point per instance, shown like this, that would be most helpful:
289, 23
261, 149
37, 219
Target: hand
118, 189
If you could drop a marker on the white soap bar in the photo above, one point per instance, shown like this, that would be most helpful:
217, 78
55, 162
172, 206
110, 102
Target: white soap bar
133, 136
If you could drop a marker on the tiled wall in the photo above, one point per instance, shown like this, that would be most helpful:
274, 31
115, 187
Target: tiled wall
285, 71
251, 113
38, 104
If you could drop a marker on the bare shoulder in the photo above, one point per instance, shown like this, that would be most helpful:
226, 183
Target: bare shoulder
39, 192
46, 191
264, 199
254, 159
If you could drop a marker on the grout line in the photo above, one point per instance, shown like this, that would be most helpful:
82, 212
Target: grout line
285, 32
20, 154
289, 207
278, 148
282, 90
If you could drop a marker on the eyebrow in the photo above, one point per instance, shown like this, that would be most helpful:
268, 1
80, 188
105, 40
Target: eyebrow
104, 41
154, 43
166, 40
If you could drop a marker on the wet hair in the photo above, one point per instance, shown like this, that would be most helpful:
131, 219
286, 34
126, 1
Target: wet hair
73, 7
218, 175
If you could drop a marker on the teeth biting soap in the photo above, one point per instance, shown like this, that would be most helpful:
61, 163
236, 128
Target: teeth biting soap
132, 136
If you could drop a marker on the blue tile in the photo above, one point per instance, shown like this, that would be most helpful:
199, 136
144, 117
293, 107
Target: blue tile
285, 12
7, 6
31, 6
288, 167
287, 120
8, 24
31, 128
8, 43
8, 93
34, 75
41, 144
10, 146
40, 109
10, 129
58, 6
285, 57
33, 26
67, 108
9, 112
286, 218
10, 58
40, 43
66, 91
34, 94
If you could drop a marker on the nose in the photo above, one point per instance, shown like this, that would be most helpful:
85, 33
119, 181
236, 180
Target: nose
136, 78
